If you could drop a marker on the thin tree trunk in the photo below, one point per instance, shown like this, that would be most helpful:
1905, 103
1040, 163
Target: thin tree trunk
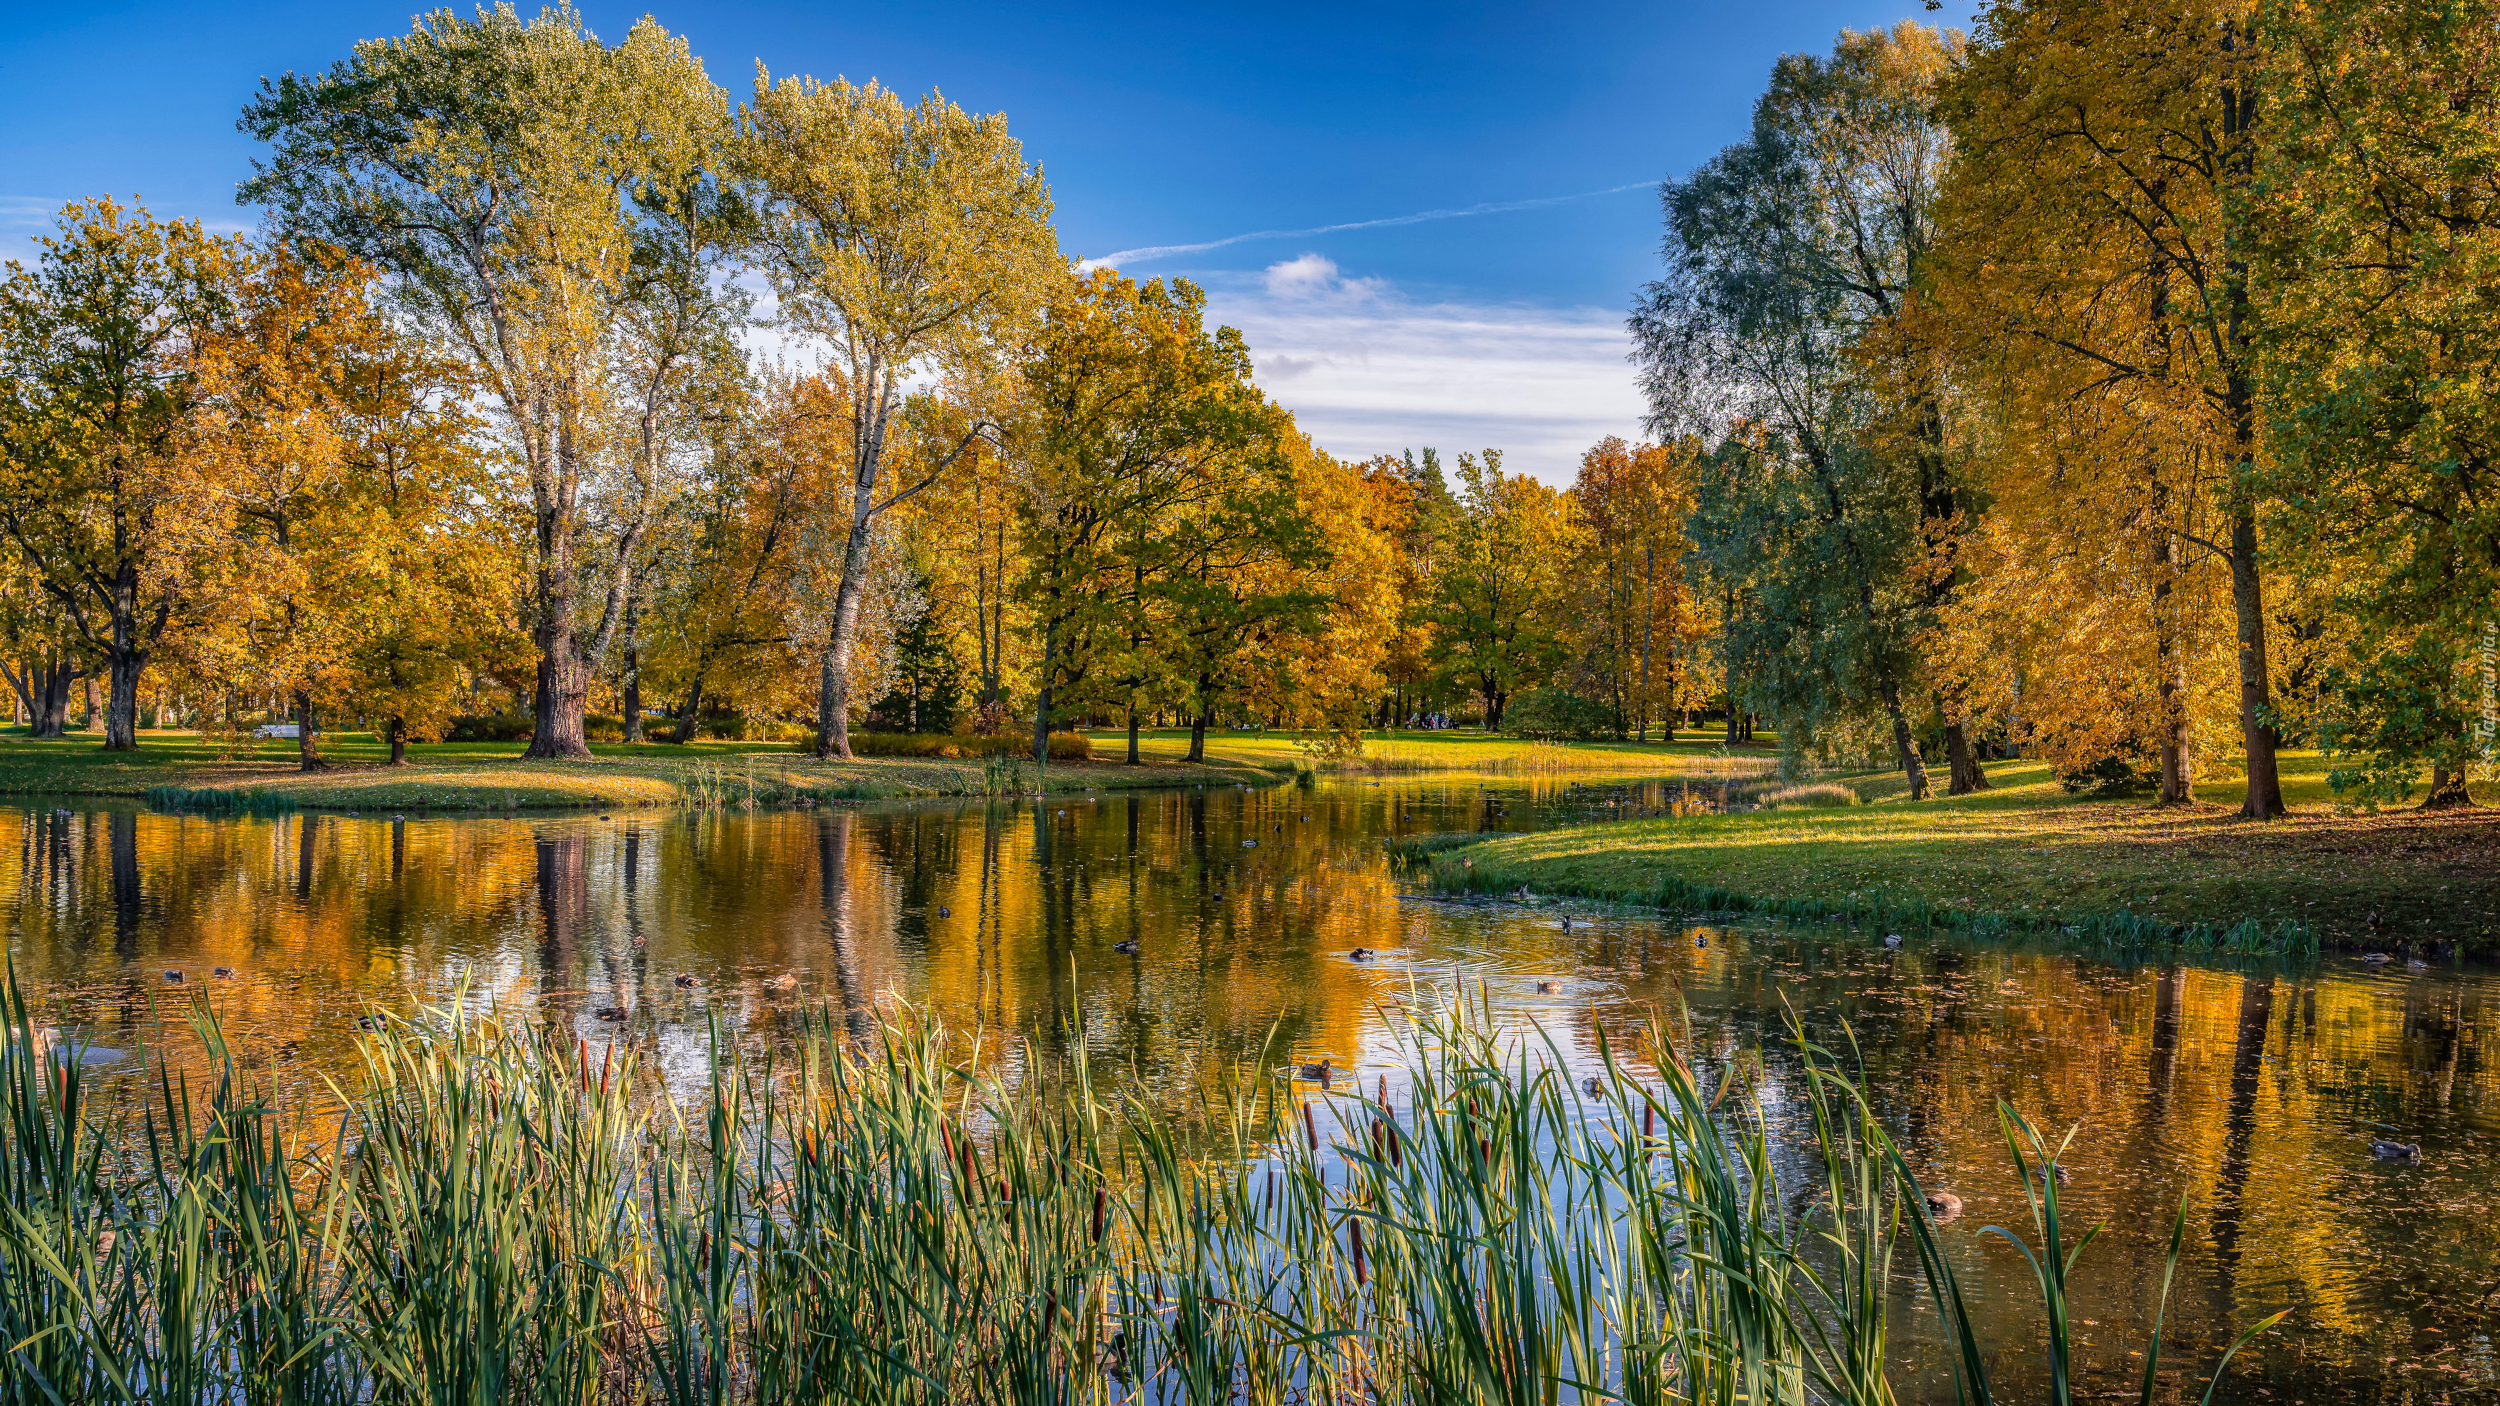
1198, 735
1133, 758
307, 733
398, 734
2248, 601
1649, 626
1904, 748
632, 689
688, 717
1041, 698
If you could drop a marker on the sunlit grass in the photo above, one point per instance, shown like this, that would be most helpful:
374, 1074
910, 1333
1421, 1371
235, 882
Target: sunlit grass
182, 768
1398, 752
2027, 854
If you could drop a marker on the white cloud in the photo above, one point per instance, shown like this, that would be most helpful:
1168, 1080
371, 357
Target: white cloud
1367, 372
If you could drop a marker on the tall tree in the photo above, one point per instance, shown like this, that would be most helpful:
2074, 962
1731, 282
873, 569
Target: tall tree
1497, 587
2378, 216
1632, 616
907, 237
2104, 168
547, 206
99, 489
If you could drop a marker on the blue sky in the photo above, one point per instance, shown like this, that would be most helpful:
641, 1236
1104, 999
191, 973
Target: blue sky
1160, 127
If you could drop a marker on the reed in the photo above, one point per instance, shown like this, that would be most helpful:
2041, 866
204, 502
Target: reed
499, 1212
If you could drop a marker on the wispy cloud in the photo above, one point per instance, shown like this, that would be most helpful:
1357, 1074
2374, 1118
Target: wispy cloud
1367, 371
1159, 251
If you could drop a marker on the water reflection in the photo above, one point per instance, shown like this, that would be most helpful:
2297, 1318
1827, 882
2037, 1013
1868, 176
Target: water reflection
2250, 1091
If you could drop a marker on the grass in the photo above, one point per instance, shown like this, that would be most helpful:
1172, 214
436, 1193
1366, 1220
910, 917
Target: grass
2024, 855
177, 769
1399, 752
497, 1211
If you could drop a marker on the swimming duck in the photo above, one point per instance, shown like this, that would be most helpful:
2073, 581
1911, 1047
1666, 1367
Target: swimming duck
782, 984
1591, 1087
370, 1024
1126, 947
688, 979
1892, 940
1566, 922
225, 973
2387, 1151
1701, 939
1319, 1073
173, 974
1549, 988
2376, 959
1943, 1205
610, 1012
1359, 954
946, 912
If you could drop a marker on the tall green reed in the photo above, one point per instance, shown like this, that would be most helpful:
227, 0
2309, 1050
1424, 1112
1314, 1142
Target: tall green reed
497, 1211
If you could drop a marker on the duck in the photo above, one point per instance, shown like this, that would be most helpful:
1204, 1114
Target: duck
782, 984
1943, 1205
2052, 1168
946, 912
2376, 959
225, 973
610, 1012
397, 817
1892, 940
1549, 988
1359, 954
2387, 1151
2417, 964
371, 1024
1701, 939
1591, 1087
1319, 1073
1127, 947
689, 979
1566, 923
173, 974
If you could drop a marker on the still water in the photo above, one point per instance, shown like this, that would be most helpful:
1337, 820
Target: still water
2251, 1089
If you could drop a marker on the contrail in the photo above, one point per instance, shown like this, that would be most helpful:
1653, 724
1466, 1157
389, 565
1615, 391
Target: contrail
1157, 251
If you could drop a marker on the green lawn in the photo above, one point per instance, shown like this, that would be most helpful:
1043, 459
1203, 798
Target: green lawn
2027, 854
493, 775
1393, 752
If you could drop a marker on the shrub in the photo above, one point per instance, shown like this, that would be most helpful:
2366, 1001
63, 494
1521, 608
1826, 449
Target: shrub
490, 727
2132, 775
1550, 714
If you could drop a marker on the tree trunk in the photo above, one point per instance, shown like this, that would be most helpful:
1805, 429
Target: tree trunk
397, 730
2447, 789
307, 733
562, 698
1133, 759
632, 689
121, 704
1964, 773
2265, 785
1198, 736
689, 716
93, 714
833, 708
1905, 749
1041, 695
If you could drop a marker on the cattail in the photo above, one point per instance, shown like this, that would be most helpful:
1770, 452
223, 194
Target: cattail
1098, 1207
1310, 1126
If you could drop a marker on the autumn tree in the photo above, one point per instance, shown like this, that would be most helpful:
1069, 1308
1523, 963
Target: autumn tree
1632, 615
548, 207
101, 493
1497, 583
2099, 206
907, 238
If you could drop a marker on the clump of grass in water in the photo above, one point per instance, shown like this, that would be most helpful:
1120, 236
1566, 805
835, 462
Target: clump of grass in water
503, 1212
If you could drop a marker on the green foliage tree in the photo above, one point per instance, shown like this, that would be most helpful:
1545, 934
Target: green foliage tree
906, 237
100, 492
1498, 583
548, 206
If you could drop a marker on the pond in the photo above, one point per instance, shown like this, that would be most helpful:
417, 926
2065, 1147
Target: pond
2253, 1090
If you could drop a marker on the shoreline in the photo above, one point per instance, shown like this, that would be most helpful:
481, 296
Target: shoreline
2024, 859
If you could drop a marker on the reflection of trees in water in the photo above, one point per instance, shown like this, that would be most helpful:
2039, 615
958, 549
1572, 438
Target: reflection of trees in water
2248, 1052
127, 901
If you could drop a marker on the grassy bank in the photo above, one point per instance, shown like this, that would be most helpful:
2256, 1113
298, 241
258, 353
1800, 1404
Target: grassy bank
2025, 855
182, 769
1399, 752
499, 1211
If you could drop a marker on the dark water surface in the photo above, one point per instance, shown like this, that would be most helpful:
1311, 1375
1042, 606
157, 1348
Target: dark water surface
2251, 1089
